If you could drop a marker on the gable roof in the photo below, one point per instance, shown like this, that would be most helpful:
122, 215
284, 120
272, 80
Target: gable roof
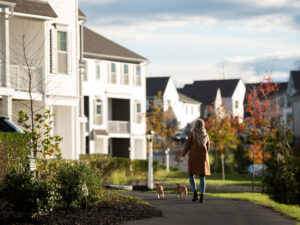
186, 99
156, 84
295, 75
95, 45
81, 15
206, 91
38, 8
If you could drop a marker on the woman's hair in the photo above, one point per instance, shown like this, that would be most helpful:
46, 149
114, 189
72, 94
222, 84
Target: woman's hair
199, 132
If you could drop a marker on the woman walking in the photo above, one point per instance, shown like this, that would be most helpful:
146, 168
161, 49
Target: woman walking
197, 145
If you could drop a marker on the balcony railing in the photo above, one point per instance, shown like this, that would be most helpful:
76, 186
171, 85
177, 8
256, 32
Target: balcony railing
120, 127
20, 79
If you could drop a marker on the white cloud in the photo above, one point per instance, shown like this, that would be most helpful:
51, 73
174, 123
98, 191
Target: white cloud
269, 3
268, 23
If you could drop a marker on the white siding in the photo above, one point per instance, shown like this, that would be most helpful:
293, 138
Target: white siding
104, 90
66, 84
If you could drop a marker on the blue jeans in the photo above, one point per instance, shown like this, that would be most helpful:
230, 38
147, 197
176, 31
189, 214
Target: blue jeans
193, 183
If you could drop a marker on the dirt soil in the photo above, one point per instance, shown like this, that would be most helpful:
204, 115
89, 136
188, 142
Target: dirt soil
96, 215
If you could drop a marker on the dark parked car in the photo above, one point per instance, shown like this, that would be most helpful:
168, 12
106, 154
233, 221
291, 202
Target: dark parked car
180, 136
8, 126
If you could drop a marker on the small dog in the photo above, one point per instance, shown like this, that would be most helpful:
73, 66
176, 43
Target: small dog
182, 191
160, 191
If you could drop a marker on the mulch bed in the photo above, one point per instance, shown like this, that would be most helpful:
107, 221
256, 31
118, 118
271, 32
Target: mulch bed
98, 215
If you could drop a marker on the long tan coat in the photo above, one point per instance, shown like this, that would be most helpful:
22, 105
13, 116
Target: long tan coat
198, 162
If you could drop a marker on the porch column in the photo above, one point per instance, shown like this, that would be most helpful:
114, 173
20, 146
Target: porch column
6, 110
5, 81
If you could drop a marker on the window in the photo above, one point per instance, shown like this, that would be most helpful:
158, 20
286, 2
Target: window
236, 104
138, 113
125, 74
98, 72
138, 79
62, 54
192, 109
98, 112
113, 75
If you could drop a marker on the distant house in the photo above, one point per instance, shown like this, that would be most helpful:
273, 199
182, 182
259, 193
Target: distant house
185, 108
114, 90
293, 91
230, 93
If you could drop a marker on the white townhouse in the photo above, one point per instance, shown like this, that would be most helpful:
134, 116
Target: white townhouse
230, 93
47, 31
114, 90
184, 108
293, 91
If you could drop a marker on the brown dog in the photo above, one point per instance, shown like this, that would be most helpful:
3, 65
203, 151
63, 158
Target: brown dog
160, 191
182, 191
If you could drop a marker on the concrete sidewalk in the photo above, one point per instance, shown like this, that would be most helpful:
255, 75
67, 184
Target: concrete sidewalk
215, 211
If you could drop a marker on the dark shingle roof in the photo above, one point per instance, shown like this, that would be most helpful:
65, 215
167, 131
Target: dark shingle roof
81, 15
156, 84
94, 43
33, 7
206, 91
295, 75
186, 99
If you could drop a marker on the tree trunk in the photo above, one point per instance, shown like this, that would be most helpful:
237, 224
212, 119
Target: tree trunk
253, 172
223, 170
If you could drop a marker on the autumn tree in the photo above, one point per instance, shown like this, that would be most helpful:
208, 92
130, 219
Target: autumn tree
263, 110
163, 123
223, 133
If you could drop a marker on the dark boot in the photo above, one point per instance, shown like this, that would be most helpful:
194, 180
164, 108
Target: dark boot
201, 198
195, 198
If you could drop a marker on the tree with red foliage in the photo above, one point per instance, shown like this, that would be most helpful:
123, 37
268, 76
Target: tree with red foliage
263, 109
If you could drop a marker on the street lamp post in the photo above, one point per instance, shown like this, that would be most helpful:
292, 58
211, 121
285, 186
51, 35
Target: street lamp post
150, 160
167, 160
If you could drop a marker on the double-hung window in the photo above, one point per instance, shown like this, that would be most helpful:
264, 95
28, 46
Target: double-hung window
125, 74
138, 112
62, 52
98, 112
98, 72
236, 104
138, 79
113, 74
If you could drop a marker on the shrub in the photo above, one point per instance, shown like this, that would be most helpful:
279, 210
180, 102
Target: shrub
13, 152
241, 157
283, 170
24, 194
76, 183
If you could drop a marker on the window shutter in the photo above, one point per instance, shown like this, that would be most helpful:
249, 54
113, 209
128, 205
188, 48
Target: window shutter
69, 52
53, 50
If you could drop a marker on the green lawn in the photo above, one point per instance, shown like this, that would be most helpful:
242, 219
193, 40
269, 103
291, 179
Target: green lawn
291, 211
215, 179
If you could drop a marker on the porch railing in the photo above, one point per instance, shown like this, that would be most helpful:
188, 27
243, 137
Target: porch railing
20, 79
120, 127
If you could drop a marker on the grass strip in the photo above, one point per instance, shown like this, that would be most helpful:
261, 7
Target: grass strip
291, 211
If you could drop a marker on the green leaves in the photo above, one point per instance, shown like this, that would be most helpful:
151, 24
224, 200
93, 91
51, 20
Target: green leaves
43, 142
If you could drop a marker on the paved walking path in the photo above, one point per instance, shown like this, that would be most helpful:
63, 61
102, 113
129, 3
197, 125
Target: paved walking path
215, 211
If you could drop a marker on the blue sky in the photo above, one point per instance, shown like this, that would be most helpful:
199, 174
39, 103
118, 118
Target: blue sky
204, 39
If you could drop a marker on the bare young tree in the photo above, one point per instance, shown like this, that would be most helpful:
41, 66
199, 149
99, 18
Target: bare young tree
27, 74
